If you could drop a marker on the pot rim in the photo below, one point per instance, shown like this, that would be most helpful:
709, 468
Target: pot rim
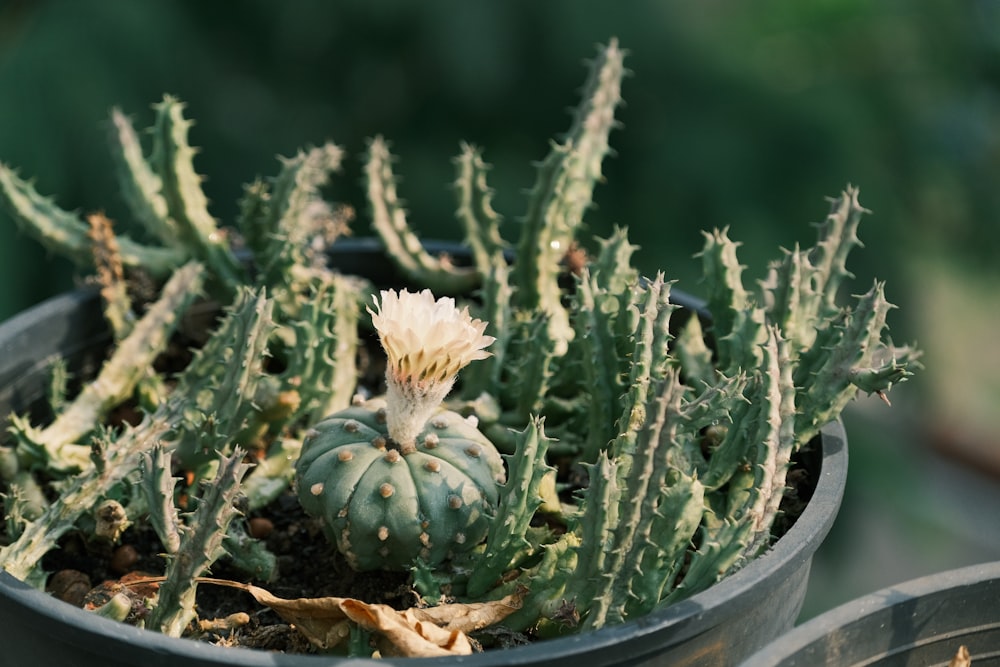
859, 610
646, 635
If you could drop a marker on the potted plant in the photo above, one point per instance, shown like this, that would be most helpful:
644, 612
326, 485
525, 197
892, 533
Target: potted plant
604, 460
948, 618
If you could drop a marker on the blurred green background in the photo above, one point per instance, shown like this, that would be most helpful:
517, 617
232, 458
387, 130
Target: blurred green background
738, 114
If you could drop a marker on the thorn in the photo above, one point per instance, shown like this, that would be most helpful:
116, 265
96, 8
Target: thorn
885, 399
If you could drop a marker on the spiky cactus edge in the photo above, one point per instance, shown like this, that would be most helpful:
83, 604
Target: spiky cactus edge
685, 450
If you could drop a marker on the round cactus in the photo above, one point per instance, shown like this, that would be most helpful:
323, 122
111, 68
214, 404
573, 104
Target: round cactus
386, 506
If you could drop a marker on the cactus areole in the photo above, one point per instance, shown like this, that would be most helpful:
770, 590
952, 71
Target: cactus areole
397, 479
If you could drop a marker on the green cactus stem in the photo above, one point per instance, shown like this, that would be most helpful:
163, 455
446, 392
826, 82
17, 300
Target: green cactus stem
321, 364
200, 545
172, 159
281, 221
693, 354
602, 367
853, 351
23, 503
216, 393
737, 323
488, 375
801, 290
718, 550
594, 527
506, 544
535, 353
66, 234
140, 186
402, 245
776, 440
648, 360
563, 191
549, 589
56, 443
482, 233
475, 209
157, 486
248, 554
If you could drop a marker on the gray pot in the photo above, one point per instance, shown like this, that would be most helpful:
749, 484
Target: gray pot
719, 626
920, 622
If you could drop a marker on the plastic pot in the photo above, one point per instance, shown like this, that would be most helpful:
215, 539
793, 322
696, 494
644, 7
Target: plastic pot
920, 622
718, 626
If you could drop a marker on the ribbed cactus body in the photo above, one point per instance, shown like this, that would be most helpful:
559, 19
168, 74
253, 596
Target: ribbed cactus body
385, 509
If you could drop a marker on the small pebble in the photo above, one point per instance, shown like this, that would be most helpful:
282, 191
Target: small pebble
123, 559
69, 586
260, 527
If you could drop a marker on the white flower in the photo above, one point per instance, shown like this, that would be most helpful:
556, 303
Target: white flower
427, 343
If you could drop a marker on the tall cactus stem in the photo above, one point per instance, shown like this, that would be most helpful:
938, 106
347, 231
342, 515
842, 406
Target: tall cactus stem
119, 375
475, 208
521, 496
281, 232
403, 246
157, 486
140, 185
737, 322
172, 159
602, 372
648, 360
200, 546
563, 191
65, 233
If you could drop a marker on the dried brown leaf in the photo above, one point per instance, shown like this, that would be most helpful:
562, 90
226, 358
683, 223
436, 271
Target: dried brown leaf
110, 273
472, 616
415, 632
429, 632
962, 658
401, 634
321, 620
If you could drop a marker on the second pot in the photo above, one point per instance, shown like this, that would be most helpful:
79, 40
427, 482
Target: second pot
920, 622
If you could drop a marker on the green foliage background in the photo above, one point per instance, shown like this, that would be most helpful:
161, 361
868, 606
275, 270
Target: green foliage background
738, 114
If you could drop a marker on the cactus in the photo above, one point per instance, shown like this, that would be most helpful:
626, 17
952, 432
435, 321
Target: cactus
56, 444
563, 191
199, 546
385, 507
405, 249
507, 544
606, 455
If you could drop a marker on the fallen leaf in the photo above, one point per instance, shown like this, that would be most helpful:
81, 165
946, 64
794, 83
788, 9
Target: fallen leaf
427, 632
962, 658
404, 635
415, 632
472, 616
321, 620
